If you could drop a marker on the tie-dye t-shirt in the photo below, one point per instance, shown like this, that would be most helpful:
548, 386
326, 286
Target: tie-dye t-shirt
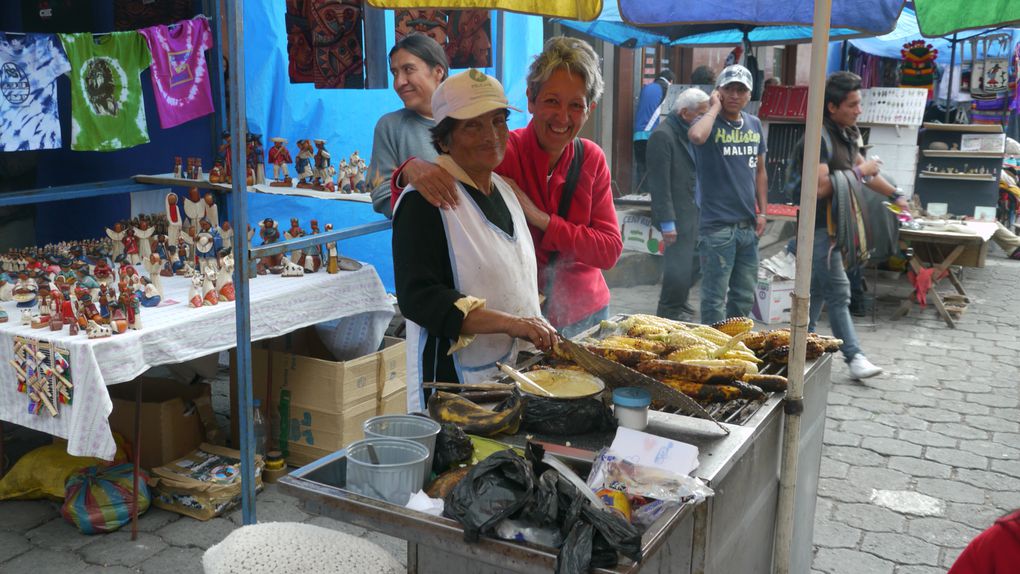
180, 75
29, 67
107, 112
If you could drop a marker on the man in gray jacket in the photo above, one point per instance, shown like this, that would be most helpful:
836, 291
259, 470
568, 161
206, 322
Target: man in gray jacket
672, 179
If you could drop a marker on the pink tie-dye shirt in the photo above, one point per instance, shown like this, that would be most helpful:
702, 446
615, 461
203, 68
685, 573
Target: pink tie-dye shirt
180, 74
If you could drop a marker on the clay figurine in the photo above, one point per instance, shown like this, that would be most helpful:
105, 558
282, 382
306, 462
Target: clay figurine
291, 269
26, 291
331, 253
305, 165
194, 209
255, 155
279, 157
226, 235
149, 296
223, 156
144, 235
216, 173
154, 265
178, 171
358, 177
323, 166
225, 277
206, 244
211, 210
209, 294
173, 218
97, 331
195, 293
116, 236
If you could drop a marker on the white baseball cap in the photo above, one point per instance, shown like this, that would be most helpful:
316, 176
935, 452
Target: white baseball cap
735, 73
467, 95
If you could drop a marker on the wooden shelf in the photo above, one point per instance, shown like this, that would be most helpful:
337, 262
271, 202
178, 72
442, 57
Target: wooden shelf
962, 176
965, 128
961, 154
170, 180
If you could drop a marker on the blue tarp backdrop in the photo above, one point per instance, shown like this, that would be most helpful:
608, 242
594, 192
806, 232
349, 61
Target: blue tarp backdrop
345, 118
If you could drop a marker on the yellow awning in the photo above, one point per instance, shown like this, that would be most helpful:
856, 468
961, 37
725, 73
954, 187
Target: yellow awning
569, 9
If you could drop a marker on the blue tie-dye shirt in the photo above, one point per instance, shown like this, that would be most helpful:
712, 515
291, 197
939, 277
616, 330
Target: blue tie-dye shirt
29, 67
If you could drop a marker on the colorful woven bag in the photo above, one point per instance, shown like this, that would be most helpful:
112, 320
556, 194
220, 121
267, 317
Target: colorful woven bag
98, 498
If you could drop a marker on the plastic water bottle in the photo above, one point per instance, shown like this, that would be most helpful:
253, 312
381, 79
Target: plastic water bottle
260, 428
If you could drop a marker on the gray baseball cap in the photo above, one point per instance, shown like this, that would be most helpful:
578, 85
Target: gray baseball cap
735, 73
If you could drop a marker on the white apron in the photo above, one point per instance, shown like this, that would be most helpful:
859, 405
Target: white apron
488, 264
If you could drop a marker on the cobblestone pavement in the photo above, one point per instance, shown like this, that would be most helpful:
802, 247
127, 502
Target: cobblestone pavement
916, 462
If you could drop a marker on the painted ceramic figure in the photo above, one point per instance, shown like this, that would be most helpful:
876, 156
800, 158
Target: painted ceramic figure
331, 252
210, 210
173, 218
226, 235
149, 295
279, 157
305, 164
195, 292
256, 155
26, 291
206, 243
323, 166
269, 231
116, 236
209, 294
223, 155
225, 277
358, 176
194, 209
154, 264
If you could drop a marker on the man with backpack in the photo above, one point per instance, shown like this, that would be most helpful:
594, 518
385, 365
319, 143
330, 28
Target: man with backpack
839, 241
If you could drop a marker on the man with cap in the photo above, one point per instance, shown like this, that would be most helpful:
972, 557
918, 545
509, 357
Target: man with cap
732, 187
466, 276
646, 117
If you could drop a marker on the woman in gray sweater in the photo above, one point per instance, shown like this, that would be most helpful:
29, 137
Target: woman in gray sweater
418, 64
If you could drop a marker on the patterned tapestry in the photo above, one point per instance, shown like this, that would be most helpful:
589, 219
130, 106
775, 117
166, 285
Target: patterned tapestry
299, 42
338, 60
135, 14
464, 34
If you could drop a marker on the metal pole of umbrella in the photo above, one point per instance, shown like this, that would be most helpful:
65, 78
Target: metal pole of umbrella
802, 290
949, 84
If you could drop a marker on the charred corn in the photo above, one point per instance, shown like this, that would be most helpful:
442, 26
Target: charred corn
755, 340
734, 325
767, 383
780, 355
635, 343
627, 357
647, 331
776, 338
693, 371
705, 392
694, 352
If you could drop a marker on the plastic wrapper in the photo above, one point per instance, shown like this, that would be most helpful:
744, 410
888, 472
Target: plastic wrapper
637, 480
452, 446
523, 531
645, 515
494, 489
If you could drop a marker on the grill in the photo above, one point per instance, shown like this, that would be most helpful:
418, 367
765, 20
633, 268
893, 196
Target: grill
739, 411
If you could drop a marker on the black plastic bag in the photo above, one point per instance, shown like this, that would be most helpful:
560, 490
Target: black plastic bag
543, 508
453, 445
494, 489
613, 534
567, 417
575, 554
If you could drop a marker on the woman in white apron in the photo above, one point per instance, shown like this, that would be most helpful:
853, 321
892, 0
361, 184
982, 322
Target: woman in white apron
466, 276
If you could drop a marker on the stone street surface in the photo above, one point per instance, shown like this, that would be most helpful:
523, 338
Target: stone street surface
916, 462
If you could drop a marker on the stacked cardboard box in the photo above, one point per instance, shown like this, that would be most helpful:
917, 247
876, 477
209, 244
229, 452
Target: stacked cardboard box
328, 400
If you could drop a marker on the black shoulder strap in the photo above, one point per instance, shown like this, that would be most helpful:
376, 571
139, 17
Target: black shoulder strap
573, 173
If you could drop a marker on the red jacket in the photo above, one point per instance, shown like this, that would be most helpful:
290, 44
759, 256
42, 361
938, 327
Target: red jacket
588, 240
994, 551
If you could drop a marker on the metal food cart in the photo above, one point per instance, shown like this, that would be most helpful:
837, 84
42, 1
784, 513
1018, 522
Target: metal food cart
731, 532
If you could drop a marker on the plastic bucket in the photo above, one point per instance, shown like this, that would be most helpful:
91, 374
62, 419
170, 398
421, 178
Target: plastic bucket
411, 427
393, 476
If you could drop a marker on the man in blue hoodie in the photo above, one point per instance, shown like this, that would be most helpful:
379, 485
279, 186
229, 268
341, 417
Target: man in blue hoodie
646, 117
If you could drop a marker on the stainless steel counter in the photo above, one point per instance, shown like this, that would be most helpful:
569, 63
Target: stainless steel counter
730, 533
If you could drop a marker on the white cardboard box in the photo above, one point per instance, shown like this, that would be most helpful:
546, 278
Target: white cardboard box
639, 235
773, 299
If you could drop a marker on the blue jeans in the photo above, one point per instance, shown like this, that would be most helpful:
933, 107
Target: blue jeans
574, 329
829, 285
729, 271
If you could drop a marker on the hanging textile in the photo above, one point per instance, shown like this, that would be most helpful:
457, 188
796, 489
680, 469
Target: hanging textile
338, 55
299, 42
463, 34
875, 71
918, 68
136, 14
55, 16
29, 68
180, 74
107, 111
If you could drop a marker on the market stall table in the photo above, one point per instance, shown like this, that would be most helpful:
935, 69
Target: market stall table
174, 333
937, 250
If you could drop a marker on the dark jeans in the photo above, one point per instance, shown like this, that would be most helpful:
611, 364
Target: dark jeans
729, 271
680, 271
640, 151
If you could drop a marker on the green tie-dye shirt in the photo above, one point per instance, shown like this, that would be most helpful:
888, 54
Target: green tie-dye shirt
107, 112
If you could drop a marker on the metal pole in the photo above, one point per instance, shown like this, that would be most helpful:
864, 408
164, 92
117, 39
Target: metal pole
949, 85
239, 220
802, 290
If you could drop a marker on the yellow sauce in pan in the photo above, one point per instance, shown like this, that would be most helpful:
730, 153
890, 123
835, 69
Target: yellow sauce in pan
566, 383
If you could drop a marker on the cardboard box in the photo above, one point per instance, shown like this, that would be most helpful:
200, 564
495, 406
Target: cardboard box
773, 300
203, 484
329, 399
171, 424
639, 235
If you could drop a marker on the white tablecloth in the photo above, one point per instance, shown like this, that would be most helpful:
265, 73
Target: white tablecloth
176, 333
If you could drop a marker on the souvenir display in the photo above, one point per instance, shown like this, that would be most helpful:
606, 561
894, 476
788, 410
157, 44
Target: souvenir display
29, 68
279, 157
43, 372
106, 94
180, 74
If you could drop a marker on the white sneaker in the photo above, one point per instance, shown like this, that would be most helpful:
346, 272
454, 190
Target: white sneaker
862, 368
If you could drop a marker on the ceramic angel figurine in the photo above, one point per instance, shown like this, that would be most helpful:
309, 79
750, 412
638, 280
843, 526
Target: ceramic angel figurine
131, 249
194, 210
144, 235
209, 294
195, 293
211, 210
279, 156
225, 278
116, 236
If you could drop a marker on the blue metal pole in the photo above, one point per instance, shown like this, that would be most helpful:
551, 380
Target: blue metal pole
239, 220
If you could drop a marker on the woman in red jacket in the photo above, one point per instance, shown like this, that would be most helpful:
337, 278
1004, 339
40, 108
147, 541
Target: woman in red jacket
994, 551
575, 241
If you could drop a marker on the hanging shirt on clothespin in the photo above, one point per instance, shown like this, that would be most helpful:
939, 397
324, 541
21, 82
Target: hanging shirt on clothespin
29, 67
180, 74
